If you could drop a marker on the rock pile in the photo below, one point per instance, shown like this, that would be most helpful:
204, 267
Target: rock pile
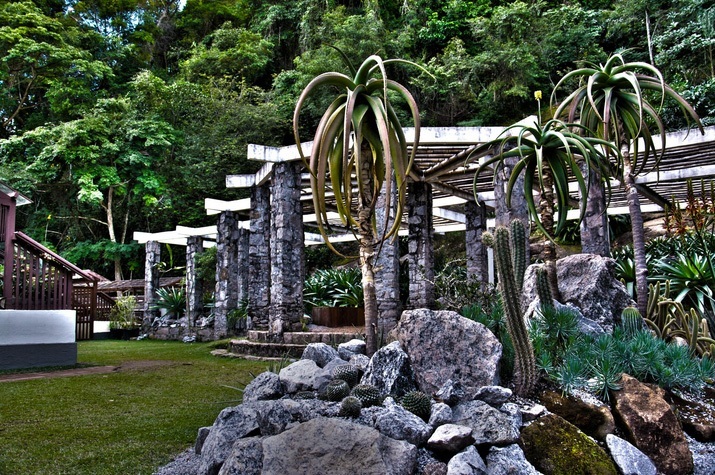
474, 426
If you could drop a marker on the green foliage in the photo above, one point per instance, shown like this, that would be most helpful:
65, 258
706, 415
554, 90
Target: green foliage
171, 299
121, 316
333, 288
454, 289
418, 403
236, 318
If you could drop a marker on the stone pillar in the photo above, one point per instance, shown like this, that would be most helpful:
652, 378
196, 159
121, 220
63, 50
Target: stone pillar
387, 268
226, 295
420, 246
151, 281
595, 236
194, 285
518, 209
259, 257
242, 278
287, 241
477, 265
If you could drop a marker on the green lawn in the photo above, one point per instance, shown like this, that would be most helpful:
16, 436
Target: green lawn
127, 422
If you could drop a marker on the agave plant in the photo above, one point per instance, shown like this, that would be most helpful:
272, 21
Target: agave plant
359, 147
691, 281
611, 102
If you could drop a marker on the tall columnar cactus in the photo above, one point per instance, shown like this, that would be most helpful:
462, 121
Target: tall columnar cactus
524, 361
518, 245
543, 289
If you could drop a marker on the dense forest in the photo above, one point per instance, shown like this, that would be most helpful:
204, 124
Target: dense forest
123, 115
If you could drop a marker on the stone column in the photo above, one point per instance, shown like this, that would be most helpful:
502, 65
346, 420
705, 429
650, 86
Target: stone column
477, 265
259, 257
151, 281
595, 236
420, 246
518, 209
226, 295
287, 241
387, 268
194, 285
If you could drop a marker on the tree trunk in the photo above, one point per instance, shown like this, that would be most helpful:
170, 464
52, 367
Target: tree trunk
595, 238
367, 248
546, 211
634, 209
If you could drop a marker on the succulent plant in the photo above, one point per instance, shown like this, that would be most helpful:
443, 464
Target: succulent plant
368, 394
631, 321
543, 289
336, 390
305, 395
350, 407
418, 403
348, 373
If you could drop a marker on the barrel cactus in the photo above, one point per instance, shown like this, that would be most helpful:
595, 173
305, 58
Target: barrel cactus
368, 394
631, 321
336, 390
418, 403
350, 407
348, 373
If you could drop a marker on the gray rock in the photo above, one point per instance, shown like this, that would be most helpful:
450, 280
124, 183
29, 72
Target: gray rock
450, 438
468, 462
493, 395
400, 424
628, 459
441, 414
509, 460
532, 412
231, 424
321, 353
361, 361
246, 458
489, 425
265, 386
200, 439
428, 465
299, 376
390, 371
588, 282
326, 446
351, 348
450, 393
443, 345
186, 463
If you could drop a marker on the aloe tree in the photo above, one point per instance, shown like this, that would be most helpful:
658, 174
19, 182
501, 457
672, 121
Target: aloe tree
359, 146
547, 155
611, 101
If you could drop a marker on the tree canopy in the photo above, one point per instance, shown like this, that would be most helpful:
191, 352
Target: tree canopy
122, 116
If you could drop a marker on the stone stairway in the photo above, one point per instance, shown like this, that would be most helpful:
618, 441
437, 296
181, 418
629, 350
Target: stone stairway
259, 344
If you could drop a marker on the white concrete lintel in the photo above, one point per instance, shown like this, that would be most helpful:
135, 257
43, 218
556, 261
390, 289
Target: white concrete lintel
288, 153
448, 214
214, 206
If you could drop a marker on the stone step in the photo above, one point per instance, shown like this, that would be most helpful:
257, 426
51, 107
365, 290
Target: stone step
265, 349
304, 338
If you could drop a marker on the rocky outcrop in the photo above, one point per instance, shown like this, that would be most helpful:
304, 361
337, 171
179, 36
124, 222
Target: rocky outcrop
591, 416
628, 459
509, 460
490, 426
652, 426
389, 370
696, 417
321, 353
443, 345
556, 447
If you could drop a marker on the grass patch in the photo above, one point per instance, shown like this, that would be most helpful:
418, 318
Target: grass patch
126, 422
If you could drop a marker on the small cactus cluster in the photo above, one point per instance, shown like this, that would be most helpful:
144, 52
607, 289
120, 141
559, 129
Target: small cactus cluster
418, 403
350, 407
305, 395
368, 394
336, 390
348, 373
631, 321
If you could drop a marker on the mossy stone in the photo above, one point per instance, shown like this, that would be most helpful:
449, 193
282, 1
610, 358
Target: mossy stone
556, 447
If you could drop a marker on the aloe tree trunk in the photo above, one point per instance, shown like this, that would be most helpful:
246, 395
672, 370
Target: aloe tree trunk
546, 211
634, 209
367, 250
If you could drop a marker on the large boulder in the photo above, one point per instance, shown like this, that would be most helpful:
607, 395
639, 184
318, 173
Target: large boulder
231, 424
509, 460
556, 447
443, 345
590, 415
321, 353
326, 446
265, 386
299, 376
468, 462
389, 371
400, 424
588, 282
629, 459
652, 426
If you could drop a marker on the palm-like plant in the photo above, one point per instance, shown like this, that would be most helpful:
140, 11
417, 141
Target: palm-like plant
547, 155
359, 146
611, 101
